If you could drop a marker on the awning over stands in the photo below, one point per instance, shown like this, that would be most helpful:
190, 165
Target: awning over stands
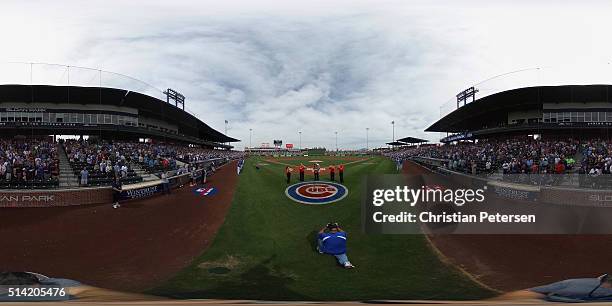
406, 141
411, 140
396, 143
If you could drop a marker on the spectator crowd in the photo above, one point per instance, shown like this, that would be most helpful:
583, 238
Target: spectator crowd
109, 160
31, 163
35, 163
518, 156
100, 163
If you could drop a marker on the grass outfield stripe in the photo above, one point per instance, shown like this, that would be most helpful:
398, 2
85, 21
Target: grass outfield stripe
266, 250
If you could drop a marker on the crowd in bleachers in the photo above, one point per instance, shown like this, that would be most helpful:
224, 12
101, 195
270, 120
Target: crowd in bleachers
99, 163
28, 163
163, 157
105, 160
191, 155
35, 163
525, 160
511, 156
597, 157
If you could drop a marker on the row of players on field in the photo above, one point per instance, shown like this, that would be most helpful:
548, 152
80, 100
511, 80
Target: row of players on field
316, 169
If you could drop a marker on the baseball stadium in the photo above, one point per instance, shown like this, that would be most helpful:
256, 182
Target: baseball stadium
146, 202
225, 229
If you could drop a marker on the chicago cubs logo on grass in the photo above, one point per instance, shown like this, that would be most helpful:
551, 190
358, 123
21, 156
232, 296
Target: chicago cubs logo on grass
316, 193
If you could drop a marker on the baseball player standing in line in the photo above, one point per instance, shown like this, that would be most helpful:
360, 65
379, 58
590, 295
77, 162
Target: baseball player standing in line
302, 168
332, 173
288, 173
316, 172
341, 173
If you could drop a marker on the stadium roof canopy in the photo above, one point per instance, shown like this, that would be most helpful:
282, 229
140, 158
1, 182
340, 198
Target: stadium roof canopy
397, 143
411, 140
495, 108
190, 128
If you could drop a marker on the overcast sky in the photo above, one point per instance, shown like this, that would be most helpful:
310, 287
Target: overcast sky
280, 67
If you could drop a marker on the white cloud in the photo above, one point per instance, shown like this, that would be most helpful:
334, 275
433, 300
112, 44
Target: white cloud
280, 67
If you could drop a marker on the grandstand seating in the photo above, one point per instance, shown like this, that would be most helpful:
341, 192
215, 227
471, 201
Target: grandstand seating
27, 164
152, 158
525, 160
99, 178
35, 164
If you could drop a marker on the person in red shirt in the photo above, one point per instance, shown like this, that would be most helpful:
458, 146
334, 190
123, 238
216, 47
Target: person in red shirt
332, 172
302, 168
559, 168
534, 168
341, 173
288, 173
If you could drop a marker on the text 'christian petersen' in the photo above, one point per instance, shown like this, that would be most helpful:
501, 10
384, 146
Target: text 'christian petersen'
458, 217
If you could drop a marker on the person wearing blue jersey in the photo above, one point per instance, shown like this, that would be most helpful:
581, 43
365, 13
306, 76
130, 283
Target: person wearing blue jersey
332, 241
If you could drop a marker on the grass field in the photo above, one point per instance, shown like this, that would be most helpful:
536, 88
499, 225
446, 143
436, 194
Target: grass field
265, 249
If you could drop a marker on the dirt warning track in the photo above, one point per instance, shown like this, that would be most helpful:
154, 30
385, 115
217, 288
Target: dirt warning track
512, 262
131, 248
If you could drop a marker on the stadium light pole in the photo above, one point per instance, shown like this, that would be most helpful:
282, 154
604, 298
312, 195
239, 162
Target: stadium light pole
367, 140
336, 132
300, 143
250, 138
393, 127
226, 122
